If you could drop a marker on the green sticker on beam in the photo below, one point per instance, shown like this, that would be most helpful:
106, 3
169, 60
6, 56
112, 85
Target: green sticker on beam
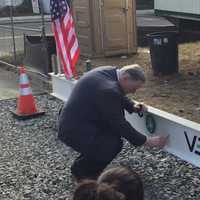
150, 124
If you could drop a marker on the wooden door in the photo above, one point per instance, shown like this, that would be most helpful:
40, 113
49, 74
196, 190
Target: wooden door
118, 26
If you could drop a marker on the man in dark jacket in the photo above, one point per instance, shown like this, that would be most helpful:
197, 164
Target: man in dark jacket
92, 121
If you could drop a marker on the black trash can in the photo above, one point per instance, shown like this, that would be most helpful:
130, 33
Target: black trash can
164, 52
37, 53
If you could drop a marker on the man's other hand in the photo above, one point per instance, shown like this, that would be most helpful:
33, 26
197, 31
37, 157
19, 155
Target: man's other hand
157, 141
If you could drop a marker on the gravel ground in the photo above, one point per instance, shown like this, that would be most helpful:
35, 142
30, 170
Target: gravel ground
35, 165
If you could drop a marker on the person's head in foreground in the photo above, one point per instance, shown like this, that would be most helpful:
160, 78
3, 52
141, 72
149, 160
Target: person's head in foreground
118, 183
131, 78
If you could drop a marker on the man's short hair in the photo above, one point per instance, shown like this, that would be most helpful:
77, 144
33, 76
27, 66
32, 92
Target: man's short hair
135, 72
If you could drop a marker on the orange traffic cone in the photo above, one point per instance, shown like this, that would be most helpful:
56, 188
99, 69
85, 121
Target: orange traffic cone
26, 107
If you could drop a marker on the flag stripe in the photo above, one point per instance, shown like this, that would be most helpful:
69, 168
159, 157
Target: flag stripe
76, 56
63, 48
74, 48
63, 43
71, 42
60, 51
66, 41
66, 19
71, 33
68, 27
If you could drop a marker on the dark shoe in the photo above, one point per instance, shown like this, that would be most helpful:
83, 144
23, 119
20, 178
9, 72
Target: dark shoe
84, 168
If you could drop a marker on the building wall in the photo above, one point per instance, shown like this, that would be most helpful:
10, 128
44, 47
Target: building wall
180, 6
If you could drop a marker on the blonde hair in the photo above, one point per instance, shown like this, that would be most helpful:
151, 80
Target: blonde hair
135, 72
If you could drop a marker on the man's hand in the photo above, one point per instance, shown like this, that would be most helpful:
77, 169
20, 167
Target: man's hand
156, 141
140, 107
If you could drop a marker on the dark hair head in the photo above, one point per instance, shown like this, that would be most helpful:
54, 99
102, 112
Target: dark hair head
124, 180
91, 190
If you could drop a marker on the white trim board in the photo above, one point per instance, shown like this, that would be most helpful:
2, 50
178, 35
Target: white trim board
184, 140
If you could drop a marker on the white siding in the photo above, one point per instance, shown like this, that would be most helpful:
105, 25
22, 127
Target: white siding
182, 6
8, 2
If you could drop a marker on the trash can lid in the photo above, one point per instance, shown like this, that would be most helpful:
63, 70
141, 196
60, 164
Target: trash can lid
162, 34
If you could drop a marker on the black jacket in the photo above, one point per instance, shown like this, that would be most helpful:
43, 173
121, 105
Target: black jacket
96, 107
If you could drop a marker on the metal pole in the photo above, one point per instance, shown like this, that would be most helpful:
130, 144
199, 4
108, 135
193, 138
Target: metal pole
58, 61
42, 16
13, 33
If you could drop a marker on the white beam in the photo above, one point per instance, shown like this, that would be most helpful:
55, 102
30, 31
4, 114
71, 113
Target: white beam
184, 135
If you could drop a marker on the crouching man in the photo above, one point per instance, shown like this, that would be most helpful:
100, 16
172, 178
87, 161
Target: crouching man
92, 121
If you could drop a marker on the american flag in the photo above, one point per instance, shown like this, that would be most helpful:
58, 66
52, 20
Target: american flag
65, 36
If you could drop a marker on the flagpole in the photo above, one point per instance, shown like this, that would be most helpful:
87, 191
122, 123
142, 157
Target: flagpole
42, 16
13, 33
58, 61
